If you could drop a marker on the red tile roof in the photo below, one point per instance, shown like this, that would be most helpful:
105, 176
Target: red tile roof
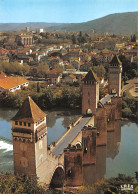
91, 76
53, 71
24, 35
115, 60
10, 82
29, 112
2, 75
72, 76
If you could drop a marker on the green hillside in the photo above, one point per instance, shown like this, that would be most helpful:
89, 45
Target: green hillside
120, 23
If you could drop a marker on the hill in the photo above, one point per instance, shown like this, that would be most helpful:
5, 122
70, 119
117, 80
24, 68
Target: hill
119, 23
32, 25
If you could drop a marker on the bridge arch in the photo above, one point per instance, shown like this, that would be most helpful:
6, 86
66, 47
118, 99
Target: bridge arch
58, 177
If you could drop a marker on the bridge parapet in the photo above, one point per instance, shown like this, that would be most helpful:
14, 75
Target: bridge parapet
71, 126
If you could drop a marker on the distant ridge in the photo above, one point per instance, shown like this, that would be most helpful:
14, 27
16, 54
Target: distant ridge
118, 23
20, 26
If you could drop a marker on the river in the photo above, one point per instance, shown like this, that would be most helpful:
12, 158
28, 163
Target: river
119, 156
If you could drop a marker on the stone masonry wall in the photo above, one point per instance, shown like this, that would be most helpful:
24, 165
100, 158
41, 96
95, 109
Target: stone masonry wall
89, 145
101, 126
24, 157
73, 166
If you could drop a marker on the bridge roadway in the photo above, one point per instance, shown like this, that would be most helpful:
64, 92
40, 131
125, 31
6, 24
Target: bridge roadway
106, 98
70, 136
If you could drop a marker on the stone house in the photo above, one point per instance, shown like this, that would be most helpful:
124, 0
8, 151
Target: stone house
4, 55
54, 76
53, 61
75, 63
86, 66
74, 53
70, 79
84, 57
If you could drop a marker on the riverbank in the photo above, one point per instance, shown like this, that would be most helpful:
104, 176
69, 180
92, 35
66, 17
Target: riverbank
129, 107
63, 96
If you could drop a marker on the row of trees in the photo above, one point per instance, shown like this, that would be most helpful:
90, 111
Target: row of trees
80, 38
14, 68
56, 38
45, 98
24, 69
22, 184
65, 97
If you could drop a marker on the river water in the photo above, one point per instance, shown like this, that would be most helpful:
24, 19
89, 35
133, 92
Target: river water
119, 156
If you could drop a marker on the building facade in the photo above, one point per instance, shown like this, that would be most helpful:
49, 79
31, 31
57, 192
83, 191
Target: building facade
24, 40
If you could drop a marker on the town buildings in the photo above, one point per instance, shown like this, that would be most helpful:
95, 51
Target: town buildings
26, 47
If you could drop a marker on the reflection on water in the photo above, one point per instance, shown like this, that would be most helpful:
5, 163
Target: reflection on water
123, 156
58, 121
119, 156
113, 141
96, 171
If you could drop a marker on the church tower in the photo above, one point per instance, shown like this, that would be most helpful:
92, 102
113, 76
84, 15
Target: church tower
90, 93
29, 133
114, 77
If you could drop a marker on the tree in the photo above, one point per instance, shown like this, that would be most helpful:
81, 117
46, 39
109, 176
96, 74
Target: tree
25, 69
73, 38
129, 106
99, 70
38, 87
80, 33
42, 68
133, 38
46, 99
129, 70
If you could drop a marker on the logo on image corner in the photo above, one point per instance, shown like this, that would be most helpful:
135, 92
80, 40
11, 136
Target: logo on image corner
127, 187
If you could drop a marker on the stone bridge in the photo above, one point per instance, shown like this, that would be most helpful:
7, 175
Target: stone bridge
63, 162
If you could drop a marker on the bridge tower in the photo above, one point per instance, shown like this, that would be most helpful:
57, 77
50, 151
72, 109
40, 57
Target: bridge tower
90, 93
114, 76
29, 133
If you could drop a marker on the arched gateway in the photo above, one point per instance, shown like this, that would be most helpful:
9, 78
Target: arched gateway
58, 177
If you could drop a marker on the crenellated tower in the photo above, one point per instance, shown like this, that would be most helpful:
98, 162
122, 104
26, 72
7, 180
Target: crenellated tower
114, 76
90, 93
29, 131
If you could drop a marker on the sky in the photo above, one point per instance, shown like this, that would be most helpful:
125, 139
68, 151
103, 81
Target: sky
61, 11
